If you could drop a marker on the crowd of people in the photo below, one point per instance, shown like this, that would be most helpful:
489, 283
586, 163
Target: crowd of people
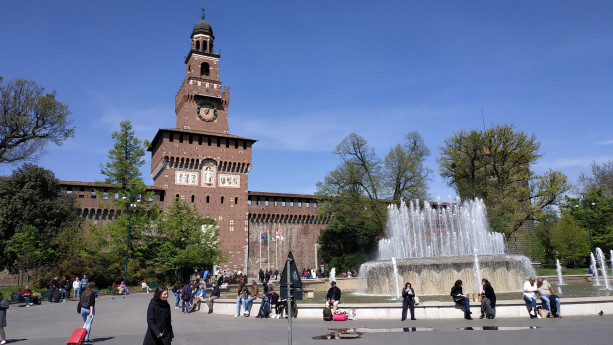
191, 295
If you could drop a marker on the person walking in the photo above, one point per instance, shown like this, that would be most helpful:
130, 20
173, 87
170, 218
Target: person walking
177, 291
4, 305
408, 301
186, 296
159, 325
51, 286
88, 310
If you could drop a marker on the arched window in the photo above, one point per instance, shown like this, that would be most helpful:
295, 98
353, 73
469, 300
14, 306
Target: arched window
197, 45
204, 69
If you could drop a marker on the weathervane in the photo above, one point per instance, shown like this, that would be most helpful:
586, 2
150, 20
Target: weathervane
202, 16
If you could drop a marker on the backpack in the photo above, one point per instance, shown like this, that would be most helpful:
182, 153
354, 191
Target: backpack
327, 314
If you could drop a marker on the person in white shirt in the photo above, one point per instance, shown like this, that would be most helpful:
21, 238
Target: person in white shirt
145, 286
76, 289
530, 295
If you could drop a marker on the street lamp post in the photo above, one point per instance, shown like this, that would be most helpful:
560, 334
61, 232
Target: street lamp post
125, 277
589, 229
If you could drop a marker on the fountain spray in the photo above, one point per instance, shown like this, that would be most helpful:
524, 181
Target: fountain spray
559, 269
603, 267
594, 269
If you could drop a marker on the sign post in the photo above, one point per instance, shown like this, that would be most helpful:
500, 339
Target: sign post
291, 289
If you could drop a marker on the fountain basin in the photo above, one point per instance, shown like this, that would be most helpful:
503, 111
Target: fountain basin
436, 276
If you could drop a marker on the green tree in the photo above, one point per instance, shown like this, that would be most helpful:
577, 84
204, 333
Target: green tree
29, 120
494, 165
125, 160
183, 239
351, 194
599, 209
32, 207
569, 240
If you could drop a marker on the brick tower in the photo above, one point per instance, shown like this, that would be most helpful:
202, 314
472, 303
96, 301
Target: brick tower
199, 161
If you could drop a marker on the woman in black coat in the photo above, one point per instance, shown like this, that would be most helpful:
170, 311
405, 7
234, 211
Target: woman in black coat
408, 301
488, 301
159, 327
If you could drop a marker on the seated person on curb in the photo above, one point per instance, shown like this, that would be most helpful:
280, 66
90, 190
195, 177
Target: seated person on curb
333, 297
214, 295
145, 286
547, 296
122, 288
459, 298
27, 295
200, 296
530, 296
265, 306
252, 296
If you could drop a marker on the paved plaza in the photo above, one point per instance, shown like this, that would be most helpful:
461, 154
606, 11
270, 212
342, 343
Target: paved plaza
121, 320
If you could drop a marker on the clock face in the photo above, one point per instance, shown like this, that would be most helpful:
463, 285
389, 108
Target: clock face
206, 111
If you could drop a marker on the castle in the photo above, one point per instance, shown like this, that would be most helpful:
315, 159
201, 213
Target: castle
201, 163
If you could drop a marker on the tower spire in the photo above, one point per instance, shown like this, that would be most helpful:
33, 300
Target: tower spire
203, 14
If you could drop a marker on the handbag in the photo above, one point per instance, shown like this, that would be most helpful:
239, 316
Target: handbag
79, 307
416, 300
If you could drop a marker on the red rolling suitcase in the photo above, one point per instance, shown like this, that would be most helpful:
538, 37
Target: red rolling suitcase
77, 337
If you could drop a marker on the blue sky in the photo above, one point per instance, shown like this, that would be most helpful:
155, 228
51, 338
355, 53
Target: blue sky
303, 75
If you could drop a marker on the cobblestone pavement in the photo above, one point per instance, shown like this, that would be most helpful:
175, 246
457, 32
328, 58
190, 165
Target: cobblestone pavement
121, 320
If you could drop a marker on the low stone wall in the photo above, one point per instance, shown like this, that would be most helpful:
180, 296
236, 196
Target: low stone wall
435, 310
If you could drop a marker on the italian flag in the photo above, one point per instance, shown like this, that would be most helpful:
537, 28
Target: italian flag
271, 239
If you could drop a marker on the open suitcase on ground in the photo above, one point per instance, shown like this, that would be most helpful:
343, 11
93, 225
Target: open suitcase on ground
77, 337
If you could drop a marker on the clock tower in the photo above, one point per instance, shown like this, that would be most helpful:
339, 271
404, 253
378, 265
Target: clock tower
202, 103
199, 162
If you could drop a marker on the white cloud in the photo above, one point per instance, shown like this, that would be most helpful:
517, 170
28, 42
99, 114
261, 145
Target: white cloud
608, 142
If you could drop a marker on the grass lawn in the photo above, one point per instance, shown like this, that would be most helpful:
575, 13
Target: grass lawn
565, 271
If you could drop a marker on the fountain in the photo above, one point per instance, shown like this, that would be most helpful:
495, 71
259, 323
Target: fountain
332, 275
559, 269
435, 247
611, 259
397, 288
594, 269
603, 267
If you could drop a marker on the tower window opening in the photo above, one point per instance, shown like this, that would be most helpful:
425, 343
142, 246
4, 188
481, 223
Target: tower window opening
244, 145
235, 143
236, 200
222, 199
207, 199
204, 68
200, 140
193, 198
218, 142
191, 139
197, 45
208, 141
171, 137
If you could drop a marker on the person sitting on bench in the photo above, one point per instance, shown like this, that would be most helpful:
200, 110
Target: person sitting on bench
333, 297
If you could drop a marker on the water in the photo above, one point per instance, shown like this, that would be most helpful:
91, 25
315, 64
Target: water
559, 269
332, 275
457, 230
397, 288
611, 258
594, 269
603, 267
477, 273
433, 247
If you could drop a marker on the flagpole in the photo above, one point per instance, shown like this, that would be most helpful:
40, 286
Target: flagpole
260, 240
276, 244
268, 250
